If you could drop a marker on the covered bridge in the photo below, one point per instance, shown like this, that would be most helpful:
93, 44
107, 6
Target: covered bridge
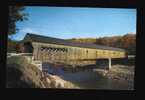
53, 50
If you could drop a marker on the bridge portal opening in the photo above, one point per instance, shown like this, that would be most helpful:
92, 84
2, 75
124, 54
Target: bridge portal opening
27, 47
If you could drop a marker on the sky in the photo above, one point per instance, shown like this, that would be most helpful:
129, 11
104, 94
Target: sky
70, 22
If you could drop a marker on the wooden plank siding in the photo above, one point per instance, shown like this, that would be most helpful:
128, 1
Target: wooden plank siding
71, 55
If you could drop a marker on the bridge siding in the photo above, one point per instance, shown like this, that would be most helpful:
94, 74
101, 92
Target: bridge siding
73, 56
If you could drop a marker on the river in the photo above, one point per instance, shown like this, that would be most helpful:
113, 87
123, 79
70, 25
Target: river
93, 80
90, 79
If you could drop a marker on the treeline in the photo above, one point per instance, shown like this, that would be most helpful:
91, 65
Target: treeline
13, 46
127, 42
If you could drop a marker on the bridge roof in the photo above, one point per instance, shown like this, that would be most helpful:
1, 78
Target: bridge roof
44, 39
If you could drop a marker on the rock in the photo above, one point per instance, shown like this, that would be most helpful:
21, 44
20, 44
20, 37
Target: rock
48, 80
56, 81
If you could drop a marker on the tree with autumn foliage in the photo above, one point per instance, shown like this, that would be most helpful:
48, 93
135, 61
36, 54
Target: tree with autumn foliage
16, 14
127, 42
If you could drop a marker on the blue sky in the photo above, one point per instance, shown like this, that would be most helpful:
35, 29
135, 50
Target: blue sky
69, 22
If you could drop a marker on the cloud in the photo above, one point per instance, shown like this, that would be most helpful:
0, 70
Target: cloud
22, 32
132, 33
27, 30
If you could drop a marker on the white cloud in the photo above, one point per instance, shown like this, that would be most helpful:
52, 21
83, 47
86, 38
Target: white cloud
132, 33
27, 30
22, 32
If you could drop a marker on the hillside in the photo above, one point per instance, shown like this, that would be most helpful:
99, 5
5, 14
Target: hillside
127, 42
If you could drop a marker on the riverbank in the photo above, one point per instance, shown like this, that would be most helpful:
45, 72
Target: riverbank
22, 74
119, 78
118, 72
122, 73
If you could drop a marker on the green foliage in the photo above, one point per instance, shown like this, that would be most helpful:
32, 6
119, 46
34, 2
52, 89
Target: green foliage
15, 15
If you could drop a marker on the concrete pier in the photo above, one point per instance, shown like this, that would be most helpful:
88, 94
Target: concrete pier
109, 63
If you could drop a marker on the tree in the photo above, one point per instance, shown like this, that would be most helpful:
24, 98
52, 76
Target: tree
15, 15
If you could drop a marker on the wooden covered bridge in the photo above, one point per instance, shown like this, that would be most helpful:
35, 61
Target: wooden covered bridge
53, 50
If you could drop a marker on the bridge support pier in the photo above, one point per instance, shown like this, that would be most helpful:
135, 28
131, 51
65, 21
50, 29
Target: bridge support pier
109, 63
